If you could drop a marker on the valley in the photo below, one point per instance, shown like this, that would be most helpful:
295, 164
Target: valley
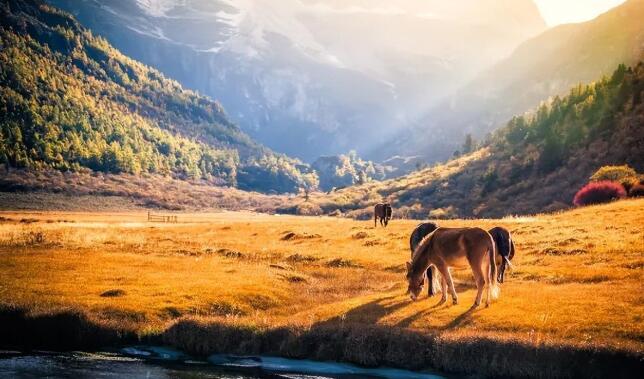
200, 178
235, 282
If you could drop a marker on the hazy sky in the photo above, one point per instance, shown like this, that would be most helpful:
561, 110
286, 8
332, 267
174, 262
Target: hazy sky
565, 11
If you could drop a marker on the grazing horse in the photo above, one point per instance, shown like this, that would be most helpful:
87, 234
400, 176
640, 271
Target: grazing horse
504, 248
383, 212
416, 237
453, 247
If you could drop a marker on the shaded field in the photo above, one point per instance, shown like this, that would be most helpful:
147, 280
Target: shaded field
29, 190
327, 288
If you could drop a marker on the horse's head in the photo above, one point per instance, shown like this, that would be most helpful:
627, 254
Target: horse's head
387, 213
415, 284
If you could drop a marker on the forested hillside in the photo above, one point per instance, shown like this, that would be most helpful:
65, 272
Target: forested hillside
541, 67
70, 101
535, 163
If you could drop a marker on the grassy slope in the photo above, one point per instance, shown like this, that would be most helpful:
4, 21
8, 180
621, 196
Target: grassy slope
577, 282
533, 168
541, 67
55, 190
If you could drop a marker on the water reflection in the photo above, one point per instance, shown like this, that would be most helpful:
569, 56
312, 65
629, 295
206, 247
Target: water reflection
160, 362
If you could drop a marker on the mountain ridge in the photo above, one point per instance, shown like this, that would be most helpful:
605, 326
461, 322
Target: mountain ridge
73, 102
543, 66
334, 74
535, 163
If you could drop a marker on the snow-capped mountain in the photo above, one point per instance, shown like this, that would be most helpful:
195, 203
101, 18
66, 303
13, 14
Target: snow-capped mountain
312, 77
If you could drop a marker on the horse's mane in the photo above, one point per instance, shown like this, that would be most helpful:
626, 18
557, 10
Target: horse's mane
421, 247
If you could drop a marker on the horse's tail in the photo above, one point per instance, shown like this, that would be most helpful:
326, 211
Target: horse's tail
511, 248
493, 282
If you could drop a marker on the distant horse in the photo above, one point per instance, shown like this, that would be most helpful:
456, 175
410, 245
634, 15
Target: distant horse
504, 248
453, 247
381, 211
416, 237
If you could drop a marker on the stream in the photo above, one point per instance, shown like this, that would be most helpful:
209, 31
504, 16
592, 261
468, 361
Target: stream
163, 362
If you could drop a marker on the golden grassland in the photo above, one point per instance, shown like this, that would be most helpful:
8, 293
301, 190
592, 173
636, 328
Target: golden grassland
577, 279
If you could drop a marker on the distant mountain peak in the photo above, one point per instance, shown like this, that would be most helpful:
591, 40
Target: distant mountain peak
342, 74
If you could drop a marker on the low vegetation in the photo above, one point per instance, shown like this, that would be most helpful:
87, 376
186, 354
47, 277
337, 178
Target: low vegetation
52, 189
327, 288
624, 175
599, 192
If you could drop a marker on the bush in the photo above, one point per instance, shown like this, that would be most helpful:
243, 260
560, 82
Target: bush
442, 213
636, 191
621, 174
308, 209
599, 192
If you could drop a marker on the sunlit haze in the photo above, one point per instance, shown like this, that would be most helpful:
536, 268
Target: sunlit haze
321, 188
557, 12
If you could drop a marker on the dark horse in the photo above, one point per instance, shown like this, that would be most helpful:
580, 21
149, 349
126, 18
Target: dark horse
504, 248
383, 212
501, 237
417, 235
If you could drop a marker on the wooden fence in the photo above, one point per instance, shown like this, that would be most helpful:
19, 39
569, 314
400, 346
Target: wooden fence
161, 218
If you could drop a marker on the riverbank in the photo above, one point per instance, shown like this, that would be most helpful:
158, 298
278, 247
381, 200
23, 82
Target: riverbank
325, 289
364, 345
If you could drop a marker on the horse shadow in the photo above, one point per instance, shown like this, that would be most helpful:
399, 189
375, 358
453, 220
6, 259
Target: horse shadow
372, 312
407, 321
369, 313
460, 320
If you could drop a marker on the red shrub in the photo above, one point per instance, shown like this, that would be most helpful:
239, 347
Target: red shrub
636, 191
599, 192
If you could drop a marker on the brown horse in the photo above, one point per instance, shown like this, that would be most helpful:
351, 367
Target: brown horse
381, 211
454, 247
504, 252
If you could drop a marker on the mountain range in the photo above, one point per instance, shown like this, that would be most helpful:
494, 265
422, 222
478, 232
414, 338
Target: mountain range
309, 77
540, 68
535, 163
75, 108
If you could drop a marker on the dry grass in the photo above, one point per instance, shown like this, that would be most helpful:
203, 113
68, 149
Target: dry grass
577, 280
91, 191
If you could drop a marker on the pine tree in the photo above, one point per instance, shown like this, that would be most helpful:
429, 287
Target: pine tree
468, 145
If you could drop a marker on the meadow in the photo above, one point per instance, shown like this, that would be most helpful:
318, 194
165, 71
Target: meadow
331, 288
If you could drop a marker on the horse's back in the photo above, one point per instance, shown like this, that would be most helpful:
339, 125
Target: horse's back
461, 239
421, 231
502, 240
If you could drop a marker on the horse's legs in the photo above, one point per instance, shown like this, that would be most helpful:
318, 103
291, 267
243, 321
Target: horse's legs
488, 280
375, 220
501, 271
444, 287
444, 270
430, 282
480, 277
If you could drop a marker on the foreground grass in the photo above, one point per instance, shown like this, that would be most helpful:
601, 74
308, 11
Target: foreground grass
577, 279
